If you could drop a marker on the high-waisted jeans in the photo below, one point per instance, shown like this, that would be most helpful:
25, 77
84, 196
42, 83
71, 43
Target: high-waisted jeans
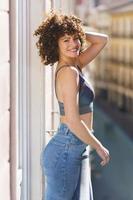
61, 163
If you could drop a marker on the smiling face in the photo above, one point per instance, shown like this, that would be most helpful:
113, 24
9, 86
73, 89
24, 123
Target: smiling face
69, 46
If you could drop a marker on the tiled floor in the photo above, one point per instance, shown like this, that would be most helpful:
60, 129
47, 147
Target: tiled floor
115, 181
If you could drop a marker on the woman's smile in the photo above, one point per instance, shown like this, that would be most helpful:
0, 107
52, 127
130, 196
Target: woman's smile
69, 46
74, 52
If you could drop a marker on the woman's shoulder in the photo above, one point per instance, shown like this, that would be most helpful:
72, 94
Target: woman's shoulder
67, 70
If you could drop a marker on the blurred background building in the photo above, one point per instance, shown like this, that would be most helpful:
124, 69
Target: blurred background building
28, 107
113, 75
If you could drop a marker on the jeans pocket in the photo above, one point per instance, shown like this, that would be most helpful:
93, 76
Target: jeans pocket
60, 140
52, 155
76, 141
44, 151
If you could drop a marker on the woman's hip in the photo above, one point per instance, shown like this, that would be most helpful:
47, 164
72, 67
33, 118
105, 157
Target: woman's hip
63, 147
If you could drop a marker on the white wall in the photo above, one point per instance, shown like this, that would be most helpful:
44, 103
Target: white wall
15, 171
4, 101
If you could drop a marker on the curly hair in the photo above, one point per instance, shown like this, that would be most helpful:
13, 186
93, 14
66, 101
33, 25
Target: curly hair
49, 32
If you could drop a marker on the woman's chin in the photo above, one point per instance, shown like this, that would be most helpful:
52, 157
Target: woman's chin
74, 55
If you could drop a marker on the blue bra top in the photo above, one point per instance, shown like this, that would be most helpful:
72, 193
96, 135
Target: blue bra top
86, 94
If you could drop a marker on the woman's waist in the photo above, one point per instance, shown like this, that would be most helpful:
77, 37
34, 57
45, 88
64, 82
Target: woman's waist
86, 118
65, 135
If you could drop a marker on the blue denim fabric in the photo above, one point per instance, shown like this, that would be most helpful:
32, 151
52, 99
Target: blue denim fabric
61, 163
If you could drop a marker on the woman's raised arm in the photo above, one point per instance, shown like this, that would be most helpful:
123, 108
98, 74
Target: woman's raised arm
97, 42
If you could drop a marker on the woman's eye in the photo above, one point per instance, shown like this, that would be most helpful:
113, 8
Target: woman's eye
65, 40
76, 38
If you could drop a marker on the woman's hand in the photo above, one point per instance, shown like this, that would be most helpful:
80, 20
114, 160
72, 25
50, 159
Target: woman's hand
104, 155
97, 42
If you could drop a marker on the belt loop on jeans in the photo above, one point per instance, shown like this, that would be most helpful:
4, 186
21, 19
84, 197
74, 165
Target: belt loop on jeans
66, 131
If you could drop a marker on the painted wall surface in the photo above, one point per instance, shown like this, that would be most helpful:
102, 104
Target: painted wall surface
4, 101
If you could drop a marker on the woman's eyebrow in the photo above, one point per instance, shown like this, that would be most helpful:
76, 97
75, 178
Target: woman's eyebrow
65, 37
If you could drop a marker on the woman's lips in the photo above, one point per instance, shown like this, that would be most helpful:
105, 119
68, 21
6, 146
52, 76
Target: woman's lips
73, 50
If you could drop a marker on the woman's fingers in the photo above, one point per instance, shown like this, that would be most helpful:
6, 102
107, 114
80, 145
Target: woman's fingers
104, 154
105, 161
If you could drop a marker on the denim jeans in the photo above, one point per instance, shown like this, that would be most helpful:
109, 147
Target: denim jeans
61, 163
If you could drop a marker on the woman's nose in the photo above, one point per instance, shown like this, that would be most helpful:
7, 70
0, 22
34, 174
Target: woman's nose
74, 42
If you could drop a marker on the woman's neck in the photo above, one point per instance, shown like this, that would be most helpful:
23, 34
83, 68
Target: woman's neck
67, 62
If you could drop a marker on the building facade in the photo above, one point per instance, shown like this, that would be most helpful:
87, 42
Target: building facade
115, 72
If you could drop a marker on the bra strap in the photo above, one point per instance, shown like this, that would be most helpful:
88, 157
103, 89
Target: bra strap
66, 65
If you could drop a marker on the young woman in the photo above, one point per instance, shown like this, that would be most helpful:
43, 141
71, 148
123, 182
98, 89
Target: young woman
60, 39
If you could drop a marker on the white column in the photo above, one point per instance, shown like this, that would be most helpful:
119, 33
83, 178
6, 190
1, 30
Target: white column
37, 103
31, 107
16, 170
23, 97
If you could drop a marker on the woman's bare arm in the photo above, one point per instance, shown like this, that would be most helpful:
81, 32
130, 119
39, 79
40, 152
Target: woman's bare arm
97, 42
68, 79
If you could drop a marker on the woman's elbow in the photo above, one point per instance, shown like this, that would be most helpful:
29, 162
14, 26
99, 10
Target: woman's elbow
105, 39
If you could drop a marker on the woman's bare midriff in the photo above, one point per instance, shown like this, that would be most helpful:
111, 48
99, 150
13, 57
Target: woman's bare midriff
87, 118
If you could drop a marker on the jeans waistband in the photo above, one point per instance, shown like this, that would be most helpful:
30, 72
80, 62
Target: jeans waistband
64, 130
64, 127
